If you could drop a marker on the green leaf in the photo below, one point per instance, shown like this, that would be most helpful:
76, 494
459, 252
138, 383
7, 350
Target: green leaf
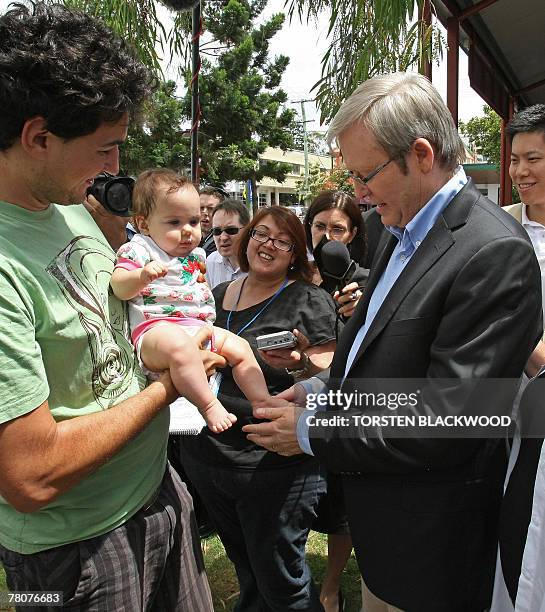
368, 37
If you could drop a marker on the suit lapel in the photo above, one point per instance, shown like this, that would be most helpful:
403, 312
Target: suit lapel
346, 339
436, 243
439, 239
387, 247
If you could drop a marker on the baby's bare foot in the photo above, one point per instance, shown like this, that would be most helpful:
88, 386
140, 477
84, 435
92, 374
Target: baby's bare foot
217, 418
224, 424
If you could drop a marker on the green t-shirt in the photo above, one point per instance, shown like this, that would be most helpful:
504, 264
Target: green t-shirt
64, 338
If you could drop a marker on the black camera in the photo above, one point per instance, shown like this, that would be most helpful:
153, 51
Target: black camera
114, 193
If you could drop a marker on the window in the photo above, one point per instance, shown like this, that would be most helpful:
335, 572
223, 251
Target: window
287, 199
236, 195
296, 169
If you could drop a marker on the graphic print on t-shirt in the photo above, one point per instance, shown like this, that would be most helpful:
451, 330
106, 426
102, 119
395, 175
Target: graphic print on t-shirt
75, 269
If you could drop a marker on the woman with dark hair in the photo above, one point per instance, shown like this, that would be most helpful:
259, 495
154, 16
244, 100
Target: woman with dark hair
334, 215
263, 504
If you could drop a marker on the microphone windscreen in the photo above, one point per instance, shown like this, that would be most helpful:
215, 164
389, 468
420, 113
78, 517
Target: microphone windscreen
180, 5
335, 259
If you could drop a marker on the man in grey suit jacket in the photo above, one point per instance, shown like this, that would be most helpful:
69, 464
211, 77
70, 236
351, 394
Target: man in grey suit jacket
441, 309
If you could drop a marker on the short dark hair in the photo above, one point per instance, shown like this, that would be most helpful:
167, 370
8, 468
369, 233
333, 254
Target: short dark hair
67, 67
289, 223
217, 192
233, 206
328, 199
530, 119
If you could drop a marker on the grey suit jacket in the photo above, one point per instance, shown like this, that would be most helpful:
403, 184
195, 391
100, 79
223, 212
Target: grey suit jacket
515, 210
423, 510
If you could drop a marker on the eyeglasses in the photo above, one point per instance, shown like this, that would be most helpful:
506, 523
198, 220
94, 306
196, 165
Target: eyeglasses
365, 179
337, 231
229, 230
278, 243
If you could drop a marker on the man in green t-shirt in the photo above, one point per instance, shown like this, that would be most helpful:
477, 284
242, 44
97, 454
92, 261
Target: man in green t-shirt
88, 506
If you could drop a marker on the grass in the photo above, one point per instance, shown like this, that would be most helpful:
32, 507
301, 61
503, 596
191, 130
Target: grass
224, 585
3, 586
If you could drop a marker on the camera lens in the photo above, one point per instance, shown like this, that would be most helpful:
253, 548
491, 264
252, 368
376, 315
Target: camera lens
114, 193
119, 196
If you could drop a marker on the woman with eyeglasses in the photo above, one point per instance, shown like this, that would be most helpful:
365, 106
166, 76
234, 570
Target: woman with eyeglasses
334, 215
263, 504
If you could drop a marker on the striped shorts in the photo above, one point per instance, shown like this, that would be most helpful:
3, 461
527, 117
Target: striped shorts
152, 562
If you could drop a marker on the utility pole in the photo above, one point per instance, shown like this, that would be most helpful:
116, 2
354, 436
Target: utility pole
305, 138
196, 19
195, 102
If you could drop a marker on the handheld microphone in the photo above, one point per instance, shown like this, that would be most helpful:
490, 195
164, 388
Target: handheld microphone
336, 262
338, 268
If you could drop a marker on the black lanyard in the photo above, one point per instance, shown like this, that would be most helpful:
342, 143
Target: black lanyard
269, 302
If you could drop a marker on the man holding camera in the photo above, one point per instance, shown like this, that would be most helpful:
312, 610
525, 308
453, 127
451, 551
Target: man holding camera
89, 508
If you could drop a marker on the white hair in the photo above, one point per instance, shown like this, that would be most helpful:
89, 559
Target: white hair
397, 109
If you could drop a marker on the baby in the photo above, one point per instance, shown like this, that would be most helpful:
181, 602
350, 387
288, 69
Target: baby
161, 272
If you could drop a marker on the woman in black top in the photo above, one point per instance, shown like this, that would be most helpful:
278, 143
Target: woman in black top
263, 504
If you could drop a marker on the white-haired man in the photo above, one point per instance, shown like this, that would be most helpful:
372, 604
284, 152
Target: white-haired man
440, 310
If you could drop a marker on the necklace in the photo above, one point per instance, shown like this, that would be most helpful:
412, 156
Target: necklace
269, 302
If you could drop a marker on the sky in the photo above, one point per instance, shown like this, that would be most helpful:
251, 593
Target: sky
305, 44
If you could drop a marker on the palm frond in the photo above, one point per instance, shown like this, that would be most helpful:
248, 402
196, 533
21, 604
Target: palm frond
367, 37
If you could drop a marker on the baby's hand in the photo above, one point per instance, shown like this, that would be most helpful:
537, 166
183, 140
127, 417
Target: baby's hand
152, 271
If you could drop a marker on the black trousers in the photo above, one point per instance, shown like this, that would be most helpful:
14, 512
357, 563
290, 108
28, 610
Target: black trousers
263, 518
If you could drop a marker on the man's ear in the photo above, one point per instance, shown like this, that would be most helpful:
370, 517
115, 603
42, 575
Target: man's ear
425, 155
142, 224
35, 136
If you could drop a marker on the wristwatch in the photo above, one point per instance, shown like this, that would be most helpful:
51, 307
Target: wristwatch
303, 369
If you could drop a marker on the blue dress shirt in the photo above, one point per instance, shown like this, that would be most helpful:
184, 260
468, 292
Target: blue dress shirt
409, 239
